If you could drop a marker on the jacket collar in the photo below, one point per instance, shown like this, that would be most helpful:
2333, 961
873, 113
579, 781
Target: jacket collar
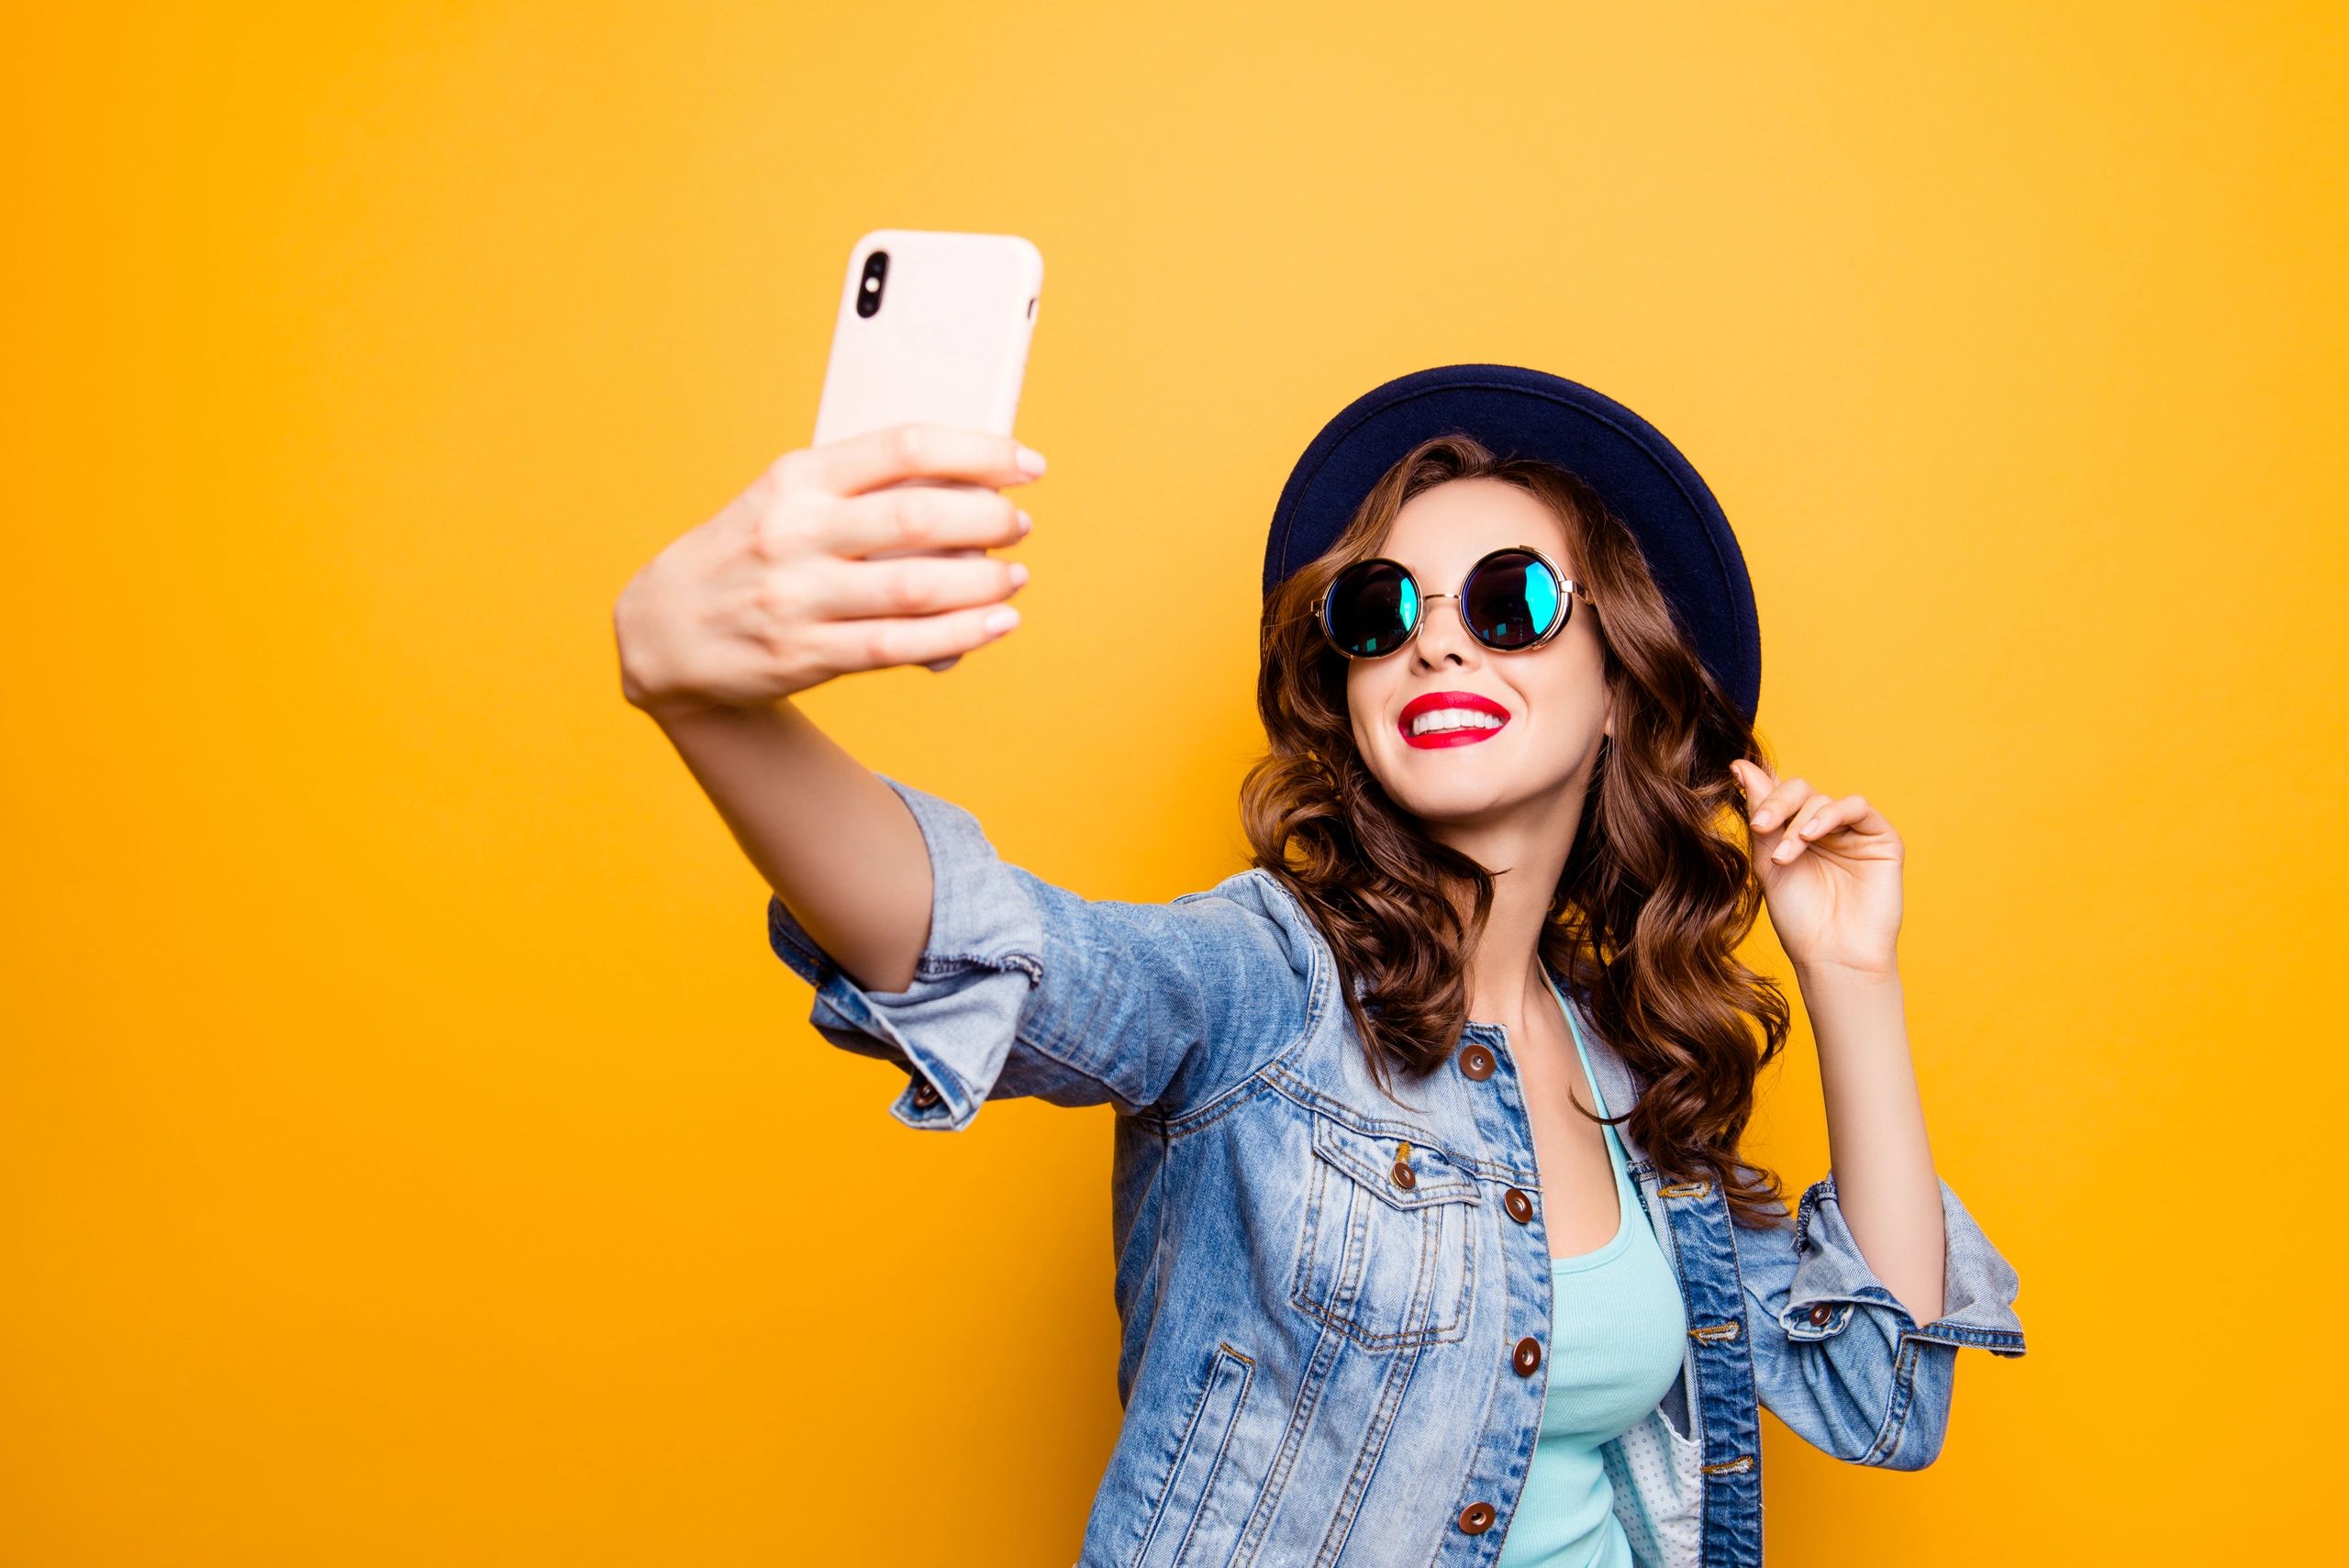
1619, 1087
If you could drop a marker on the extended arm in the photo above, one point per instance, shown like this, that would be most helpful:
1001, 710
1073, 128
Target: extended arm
784, 590
835, 843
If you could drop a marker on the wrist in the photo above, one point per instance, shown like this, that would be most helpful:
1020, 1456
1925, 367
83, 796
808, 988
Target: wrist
675, 711
656, 700
1834, 973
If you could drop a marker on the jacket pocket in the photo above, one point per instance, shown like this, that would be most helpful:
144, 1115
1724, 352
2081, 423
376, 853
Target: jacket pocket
1659, 1492
1387, 1251
1182, 1530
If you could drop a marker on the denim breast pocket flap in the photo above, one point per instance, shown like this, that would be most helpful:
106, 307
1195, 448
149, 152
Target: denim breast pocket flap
1405, 1172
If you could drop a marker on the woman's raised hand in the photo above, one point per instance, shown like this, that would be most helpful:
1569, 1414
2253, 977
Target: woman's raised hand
777, 594
1829, 867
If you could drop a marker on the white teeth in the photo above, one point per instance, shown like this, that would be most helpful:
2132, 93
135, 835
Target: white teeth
1453, 719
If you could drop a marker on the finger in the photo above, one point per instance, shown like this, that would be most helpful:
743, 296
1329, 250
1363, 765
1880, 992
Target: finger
930, 517
858, 463
1808, 813
1754, 779
1780, 804
1799, 836
846, 645
1847, 813
907, 585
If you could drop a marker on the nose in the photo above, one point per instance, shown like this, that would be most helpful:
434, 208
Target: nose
1444, 637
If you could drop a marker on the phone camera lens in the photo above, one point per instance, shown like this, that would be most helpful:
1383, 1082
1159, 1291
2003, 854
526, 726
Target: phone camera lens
868, 292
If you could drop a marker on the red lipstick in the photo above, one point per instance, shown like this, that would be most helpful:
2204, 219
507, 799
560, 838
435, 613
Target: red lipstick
1427, 702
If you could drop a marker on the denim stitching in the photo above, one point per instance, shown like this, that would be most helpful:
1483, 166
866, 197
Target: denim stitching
1424, 1196
1896, 1419
1174, 1469
1309, 1099
1316, 1002
1311, 1383
1381, 1426
1174, 1128
1346, 1307
936, 966
1206, 1487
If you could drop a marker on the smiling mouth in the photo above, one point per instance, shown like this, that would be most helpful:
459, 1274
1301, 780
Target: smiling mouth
1430, 725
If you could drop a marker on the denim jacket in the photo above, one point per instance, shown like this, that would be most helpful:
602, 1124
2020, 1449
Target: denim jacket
1321, 1289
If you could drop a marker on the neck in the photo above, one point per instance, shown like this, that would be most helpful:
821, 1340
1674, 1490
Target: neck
1505, 981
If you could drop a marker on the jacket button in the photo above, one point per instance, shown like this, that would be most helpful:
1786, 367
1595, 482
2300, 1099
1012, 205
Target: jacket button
927, 1095
1527, 1356
1475, 1062
1820, 1314
1405, 1177
1476, 1518
1520, 1206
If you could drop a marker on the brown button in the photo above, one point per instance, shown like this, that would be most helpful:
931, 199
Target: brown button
927, 1095
1527, 1356
1475, 1062
1820, 1314
1476, 1518
1520, 1206
1405, 1177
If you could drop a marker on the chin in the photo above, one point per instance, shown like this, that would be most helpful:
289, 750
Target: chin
1458, 801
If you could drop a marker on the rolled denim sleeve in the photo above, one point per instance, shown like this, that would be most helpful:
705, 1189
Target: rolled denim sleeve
1024, 988
1840, 1359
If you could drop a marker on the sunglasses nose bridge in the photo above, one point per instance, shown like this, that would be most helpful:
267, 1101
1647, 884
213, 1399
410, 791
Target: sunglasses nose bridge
1459, 605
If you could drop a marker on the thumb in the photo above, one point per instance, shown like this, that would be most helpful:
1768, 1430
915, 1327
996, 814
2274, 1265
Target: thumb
1756, 780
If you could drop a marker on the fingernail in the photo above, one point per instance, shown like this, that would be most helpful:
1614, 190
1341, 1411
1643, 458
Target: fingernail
1019, 572
1761, 819
1026, 522
1030, 460
1001, 620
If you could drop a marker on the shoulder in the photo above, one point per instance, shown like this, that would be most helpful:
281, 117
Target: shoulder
1258, 907
1263, 957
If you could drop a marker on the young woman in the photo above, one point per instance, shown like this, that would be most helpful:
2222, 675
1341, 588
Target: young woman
1434, 1243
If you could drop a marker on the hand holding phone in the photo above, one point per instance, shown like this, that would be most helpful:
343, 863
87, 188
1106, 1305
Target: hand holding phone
787, 586
933, 327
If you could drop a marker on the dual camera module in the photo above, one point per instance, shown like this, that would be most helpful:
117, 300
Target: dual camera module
876, 274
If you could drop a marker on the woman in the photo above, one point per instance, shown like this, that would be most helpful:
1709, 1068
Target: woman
1434, 1245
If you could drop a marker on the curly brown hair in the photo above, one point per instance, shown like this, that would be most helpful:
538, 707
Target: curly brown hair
1656, 897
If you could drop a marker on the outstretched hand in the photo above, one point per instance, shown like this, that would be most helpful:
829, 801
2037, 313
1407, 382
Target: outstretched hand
1831, 872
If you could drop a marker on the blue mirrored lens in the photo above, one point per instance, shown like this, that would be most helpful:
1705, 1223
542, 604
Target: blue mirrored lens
1514, 601
1373, 607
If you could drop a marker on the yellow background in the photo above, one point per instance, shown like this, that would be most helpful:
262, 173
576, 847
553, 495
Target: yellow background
409, 1149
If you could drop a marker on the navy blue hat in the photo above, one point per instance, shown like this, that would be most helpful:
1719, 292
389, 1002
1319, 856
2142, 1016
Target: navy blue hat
1518, 412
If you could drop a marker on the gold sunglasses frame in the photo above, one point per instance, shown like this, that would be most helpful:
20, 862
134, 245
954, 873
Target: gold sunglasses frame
1573, 591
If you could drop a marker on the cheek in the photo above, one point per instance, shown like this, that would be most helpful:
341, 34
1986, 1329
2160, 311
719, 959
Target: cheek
1571, 700
1362, 698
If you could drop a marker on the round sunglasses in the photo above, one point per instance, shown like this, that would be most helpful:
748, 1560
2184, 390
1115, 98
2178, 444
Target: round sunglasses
1511, 600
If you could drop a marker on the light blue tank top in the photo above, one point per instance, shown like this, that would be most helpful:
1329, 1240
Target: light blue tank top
1618, 1332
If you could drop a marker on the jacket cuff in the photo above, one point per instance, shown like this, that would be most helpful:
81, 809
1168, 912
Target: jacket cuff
952, 1028
1833, 1280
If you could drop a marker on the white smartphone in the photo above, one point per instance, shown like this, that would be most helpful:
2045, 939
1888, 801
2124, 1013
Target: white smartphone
933, 327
